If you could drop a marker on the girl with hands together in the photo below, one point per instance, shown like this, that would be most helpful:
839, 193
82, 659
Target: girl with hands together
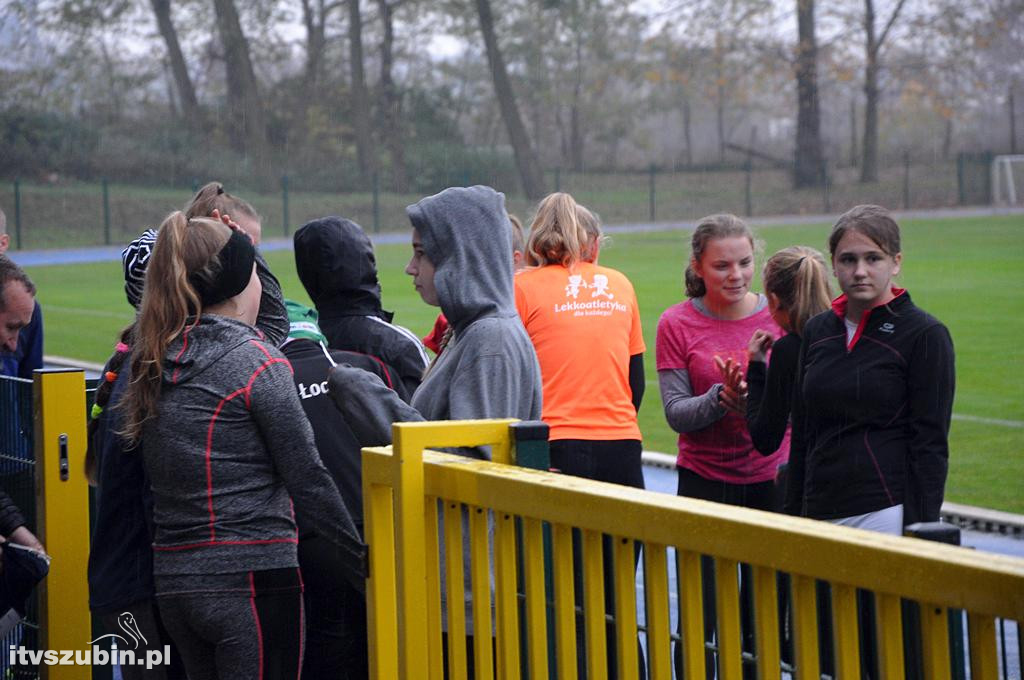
796, 285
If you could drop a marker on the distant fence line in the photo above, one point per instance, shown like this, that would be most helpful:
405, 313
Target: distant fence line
79, 214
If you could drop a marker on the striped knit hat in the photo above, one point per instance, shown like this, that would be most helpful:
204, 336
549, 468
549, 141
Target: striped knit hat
135, 258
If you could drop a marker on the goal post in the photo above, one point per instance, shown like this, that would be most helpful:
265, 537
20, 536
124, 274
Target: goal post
1007, 176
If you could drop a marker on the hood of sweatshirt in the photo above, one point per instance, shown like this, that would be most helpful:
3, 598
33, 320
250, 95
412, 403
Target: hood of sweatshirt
467, 235
335, 262
202, 345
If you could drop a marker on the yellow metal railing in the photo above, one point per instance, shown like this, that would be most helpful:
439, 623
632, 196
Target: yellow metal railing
403, 487
62, 504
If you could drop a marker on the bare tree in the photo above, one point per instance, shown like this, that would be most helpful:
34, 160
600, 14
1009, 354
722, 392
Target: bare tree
390, 102
527, 163
808, 169
360, 96
873, 45
314, 18
247, 128
182, 80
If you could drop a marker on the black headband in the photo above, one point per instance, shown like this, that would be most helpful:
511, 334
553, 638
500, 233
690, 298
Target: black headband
236, 260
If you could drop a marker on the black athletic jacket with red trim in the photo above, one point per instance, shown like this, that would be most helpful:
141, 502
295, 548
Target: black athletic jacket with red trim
871, 418
228, 451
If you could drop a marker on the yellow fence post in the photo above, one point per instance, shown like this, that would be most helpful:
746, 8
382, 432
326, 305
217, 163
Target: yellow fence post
410, 529
62, 504
413, 585
381, 597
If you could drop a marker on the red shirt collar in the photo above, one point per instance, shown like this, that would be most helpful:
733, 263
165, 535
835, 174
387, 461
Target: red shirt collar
840, 303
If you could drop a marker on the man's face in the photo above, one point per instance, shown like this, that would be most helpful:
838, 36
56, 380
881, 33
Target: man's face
5, 241
16, 314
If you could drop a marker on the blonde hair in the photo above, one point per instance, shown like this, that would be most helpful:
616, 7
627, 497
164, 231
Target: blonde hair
518, 240
711, 227
563, 232
797, 276
213, 197
184, 248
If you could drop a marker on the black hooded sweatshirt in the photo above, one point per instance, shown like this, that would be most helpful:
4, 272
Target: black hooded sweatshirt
335, 262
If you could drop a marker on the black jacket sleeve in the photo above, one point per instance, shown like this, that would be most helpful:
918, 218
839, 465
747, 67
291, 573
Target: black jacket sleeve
794, 500
272, 318
770, 394
10, 516
637, 381
931, 378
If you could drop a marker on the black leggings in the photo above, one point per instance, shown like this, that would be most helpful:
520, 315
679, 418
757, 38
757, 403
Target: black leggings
336, 643
245, 625
618, 462
759, 496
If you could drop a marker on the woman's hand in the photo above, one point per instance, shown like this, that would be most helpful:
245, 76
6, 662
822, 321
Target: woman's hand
733, 396
226, 219
760, 342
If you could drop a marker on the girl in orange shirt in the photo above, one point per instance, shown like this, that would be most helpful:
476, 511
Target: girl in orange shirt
584, 322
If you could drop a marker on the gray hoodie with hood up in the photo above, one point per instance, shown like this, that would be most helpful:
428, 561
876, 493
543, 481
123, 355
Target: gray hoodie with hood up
228, 451
490, 369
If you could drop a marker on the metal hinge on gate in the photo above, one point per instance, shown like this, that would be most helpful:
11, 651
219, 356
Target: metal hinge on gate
62, 443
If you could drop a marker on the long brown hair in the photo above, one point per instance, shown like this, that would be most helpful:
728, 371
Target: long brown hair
711, 227
563, 232
184, 247
798, 278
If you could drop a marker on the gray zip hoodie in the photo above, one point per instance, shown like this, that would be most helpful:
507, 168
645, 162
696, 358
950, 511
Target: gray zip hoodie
490, 369
228, 446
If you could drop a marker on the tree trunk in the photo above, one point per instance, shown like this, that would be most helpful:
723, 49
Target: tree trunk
575, 125
530, 172
853, 132
247, 128
183, 82
391, 104
720, 97
116, 103
1013, 120
808, 170
687, 124
315, 22
172, 97
869, 156
947, 139
360, 97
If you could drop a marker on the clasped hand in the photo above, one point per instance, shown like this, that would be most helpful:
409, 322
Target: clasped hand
733, 396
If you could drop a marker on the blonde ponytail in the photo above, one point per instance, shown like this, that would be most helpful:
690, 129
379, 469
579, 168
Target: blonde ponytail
797, 276
563, 232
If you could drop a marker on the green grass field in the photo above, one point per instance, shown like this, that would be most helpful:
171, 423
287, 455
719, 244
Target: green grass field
967, 272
